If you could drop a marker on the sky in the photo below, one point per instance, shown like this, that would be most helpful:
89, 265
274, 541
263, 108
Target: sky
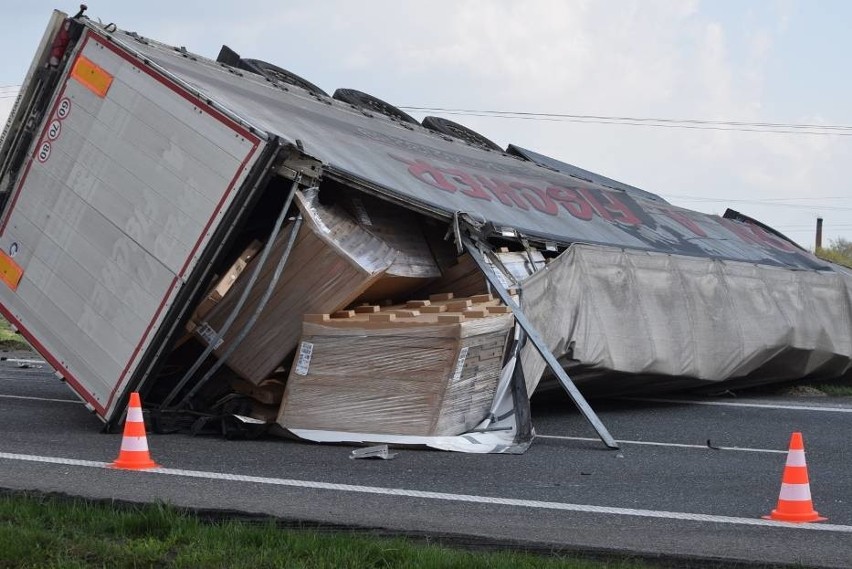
768, 61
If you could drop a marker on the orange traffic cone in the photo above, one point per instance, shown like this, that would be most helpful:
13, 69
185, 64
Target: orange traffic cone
134, 444
794, 503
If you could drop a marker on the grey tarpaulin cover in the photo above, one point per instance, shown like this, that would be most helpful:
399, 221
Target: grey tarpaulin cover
657, 318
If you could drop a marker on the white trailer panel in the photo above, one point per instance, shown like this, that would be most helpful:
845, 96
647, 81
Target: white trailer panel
121, 192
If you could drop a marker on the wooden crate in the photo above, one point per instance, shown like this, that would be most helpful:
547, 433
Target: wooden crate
427, 368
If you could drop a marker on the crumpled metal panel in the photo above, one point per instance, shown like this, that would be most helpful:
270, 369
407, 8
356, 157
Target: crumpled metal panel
443, 176
634, 318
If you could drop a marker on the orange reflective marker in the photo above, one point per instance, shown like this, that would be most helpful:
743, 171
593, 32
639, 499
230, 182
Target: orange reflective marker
794, 502
10, 271
90, 75
134, 453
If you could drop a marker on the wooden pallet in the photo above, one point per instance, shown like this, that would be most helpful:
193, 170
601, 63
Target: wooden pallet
428, 367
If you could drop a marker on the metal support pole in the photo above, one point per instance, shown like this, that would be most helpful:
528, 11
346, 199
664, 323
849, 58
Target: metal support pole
540, 346
261, 261
819, 233
520, 397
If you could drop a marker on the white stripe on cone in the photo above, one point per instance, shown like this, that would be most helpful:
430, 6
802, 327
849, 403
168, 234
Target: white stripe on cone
134, 443
796, 458
795, 492
134, 415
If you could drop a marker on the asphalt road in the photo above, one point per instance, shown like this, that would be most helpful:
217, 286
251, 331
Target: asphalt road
664, 493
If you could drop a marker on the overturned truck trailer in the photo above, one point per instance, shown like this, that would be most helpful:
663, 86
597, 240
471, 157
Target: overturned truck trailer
210, 232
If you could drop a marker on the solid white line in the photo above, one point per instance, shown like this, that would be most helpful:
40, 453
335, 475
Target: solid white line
676, 445
737, 404
42, 399
442, 496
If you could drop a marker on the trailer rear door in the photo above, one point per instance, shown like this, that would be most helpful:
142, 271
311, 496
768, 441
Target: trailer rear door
123, 188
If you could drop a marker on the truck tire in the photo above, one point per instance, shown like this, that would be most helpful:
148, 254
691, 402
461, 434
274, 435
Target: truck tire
276, 73
454, 129
371, 103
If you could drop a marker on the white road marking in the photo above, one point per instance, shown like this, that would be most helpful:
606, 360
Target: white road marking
77, 401
23, 361
677, 445
738, 404
442, 496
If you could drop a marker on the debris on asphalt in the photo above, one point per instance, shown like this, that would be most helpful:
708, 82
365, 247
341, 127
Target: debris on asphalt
379, 451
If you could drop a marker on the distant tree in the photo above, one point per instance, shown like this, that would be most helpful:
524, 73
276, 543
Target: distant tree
840, 252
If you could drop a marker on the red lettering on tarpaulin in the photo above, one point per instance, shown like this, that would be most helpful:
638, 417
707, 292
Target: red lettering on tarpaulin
427, 173
572, 202
596, 205
467, 183
683, 220
503, 192
536, 198
610, 207
581, 203
621, 210
756, 235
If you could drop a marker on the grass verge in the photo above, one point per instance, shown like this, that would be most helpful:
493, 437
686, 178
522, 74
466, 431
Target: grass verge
44, 531
9, 340
842, 388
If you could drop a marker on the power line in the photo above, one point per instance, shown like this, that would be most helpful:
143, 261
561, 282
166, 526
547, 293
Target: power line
808, 207
656, 122
694, 124
763, 199
661, 120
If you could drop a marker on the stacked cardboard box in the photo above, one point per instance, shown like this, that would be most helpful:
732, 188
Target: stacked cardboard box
427, 368
335, 260
223, 285
465, 278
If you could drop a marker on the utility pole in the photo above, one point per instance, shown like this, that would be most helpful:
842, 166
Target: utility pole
818, 234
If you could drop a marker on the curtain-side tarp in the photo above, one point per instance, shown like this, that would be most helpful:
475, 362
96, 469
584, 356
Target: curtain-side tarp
661, 319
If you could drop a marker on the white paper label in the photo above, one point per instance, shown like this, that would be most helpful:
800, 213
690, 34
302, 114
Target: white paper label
303, 362
208, 334
460, 364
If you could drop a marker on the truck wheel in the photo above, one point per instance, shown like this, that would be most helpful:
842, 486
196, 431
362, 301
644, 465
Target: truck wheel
371, 103
276, 73
460, 132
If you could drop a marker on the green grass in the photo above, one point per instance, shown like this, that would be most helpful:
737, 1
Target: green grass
9, 340
42, 531
840, 389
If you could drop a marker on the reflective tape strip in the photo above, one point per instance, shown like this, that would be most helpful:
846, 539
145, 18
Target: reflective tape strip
10, 271
92, 76
134, 443
134, 415
796, 458
795, 492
